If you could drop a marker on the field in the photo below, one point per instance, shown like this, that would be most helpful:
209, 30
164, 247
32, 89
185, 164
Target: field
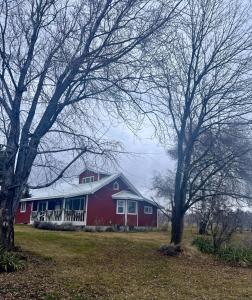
81, 265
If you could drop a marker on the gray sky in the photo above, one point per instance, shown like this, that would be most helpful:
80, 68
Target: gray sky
149, 156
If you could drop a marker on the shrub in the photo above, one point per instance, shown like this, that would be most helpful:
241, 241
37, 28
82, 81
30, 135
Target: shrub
52, 226
231, 254
46, 226
89, 229
99, 229
110, 229
9, 262
203, 244
236, 255
67, 227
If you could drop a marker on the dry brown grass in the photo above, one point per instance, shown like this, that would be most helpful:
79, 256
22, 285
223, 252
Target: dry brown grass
79, 265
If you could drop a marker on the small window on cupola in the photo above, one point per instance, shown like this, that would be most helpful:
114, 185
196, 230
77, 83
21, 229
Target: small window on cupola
116, 186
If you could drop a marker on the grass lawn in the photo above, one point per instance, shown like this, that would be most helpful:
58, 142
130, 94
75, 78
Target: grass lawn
81, 265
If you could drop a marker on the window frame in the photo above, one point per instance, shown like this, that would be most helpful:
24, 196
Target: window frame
22, 210
81, 200
88, 177
117, 206
116, 186
132, 213
149, 207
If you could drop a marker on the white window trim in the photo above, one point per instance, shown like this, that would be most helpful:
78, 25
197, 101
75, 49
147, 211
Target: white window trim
116, 186
91, 179
24, 209
148, 213
135, 213
124, 207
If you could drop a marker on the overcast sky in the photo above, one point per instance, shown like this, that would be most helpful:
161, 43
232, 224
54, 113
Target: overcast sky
149, 156
145, 157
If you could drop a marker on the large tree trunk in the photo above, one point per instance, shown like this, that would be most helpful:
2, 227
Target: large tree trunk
177, 226
9, 199
7, 229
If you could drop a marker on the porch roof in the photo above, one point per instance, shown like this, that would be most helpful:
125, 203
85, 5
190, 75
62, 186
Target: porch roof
128, 195
125, 195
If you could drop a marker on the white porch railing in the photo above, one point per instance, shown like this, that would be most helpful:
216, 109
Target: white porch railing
61, 215
74, 215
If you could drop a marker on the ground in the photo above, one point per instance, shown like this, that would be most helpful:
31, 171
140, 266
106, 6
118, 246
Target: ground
81, 265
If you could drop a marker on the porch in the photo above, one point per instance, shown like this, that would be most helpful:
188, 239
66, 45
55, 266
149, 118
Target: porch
65, 210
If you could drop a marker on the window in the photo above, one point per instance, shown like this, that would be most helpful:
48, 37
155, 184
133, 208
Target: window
34, 206
88, 179
120, 209
22, 206
132, 207
116, 186
74, 204
55, 204
42, 206
148, 210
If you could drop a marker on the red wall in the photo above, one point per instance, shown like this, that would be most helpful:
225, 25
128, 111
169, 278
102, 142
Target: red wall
102, 209
23, 217
88, 173
147, 219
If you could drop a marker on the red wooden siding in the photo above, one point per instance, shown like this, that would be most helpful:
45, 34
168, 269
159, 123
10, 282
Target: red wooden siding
149, 220
102, 208
23, 217
88, 173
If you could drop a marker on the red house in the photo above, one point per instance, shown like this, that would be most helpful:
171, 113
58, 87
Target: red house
97, 199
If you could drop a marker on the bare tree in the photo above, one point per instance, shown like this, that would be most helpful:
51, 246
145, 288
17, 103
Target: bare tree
220, 172
61, 63
222, 169
223, 224
202, 81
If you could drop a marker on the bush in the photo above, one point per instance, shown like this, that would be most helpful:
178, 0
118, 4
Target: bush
9, 262
231, 254
52, 226
236, 255
89, 229
203, 244
110, 229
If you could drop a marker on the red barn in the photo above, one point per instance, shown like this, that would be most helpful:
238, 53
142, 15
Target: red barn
98, 199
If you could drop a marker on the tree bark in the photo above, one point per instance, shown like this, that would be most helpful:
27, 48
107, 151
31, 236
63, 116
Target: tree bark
177, 227
7, 229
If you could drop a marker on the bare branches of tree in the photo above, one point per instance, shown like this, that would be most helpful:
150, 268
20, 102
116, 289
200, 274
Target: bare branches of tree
201, 74
63, 64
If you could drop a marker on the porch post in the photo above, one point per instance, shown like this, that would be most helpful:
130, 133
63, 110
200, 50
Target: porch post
63, 210
137, 211
46, 212
126, 214
31, 213
86, 208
